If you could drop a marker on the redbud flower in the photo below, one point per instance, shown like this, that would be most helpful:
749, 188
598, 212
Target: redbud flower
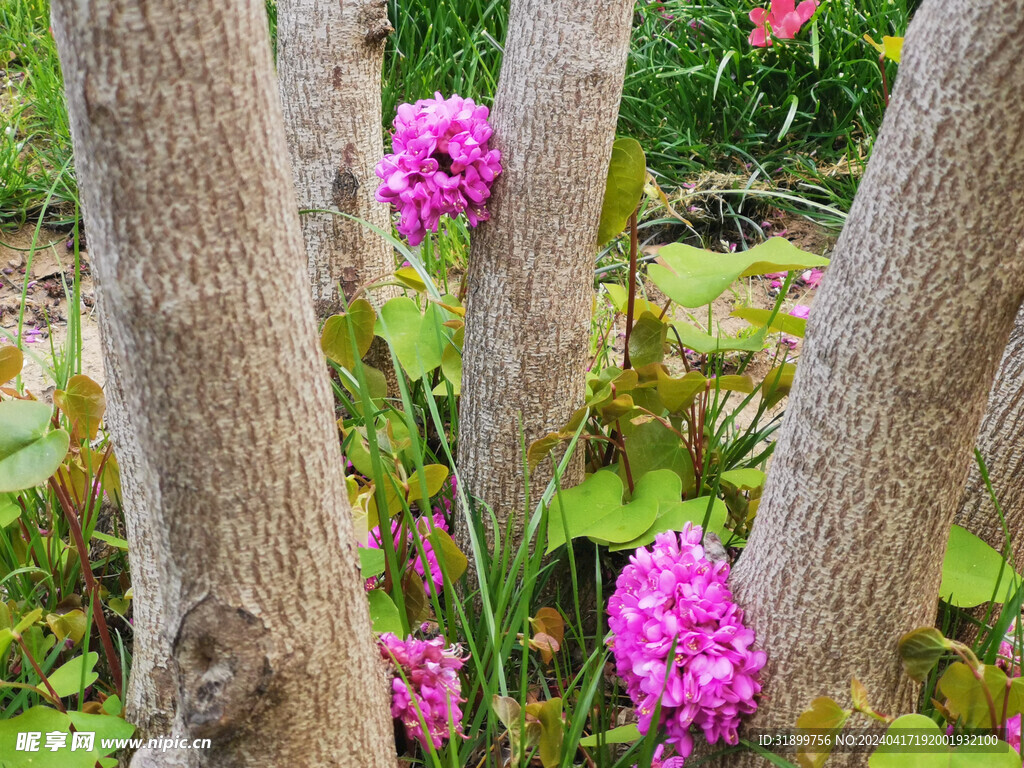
412, 553
441, 164
782, 21
431, 692
679, 640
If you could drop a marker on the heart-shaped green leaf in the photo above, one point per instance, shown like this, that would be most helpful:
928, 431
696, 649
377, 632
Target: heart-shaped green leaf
11, 362
920, 650
674, 515
83, 403
30, 452
623, 189
647, 340
971, 572
340, 330
384, 613
893, 752
79, 672
693, 277
418, 339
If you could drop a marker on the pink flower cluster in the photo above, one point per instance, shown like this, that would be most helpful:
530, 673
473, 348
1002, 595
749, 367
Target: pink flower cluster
441, 164
374, 541
433, 693
679, 640
782, 21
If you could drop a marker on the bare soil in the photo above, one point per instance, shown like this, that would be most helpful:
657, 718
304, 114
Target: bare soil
42, 276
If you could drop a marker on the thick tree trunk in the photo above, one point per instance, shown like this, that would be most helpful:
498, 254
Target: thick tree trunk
531, 272
152, 688
846, 552
181, 156
1001, 442
329, 57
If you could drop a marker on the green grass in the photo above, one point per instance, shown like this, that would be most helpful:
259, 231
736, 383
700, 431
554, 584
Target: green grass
35, 147
696, 95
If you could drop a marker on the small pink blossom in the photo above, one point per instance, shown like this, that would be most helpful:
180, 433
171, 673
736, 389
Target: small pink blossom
776, 278
430, 693
679, 641
801, 311
441, 164
781, 21
412, 554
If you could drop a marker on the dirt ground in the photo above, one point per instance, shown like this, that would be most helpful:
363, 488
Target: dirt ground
45, 326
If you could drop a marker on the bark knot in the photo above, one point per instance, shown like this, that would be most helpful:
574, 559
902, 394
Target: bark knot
221, 654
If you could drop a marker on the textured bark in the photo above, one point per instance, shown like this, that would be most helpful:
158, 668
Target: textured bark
152, 689
531, 271
900, 355
182, 161
1001, 442
329, 57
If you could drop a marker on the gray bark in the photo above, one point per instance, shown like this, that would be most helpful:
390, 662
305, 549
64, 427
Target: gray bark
329, 57
531, 266
190, 209
1001, 442
846, 552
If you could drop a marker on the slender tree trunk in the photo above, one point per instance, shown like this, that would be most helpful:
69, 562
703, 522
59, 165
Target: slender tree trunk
329, 57
181, 156
846, 552
1001, 442
531, 272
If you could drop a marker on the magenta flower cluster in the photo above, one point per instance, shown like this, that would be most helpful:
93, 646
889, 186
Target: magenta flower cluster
374, 541
679, 639
428, 704
441, 164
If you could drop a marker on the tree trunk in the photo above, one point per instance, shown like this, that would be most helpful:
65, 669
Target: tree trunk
900, 355
152, 688
329, 57
182, 161
531, 271
1001, 442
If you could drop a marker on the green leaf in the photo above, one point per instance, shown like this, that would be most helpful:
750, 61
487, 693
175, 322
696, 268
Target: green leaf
777, 383
706, 344
11, 362
794, 326
455, 562
920, 650
552, 733
824, 714
650, 446
384, 613
693, 277
418, 339
623, 189
451, 363
104, 726
619, 297
632, 519
372, 562
647, 340
74, 675
745, 478
673, 516
9, 510
83, 403
113, 541
967, 697
596, 497
970, 571
624, 734
895, 754
30, 452
338, 330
